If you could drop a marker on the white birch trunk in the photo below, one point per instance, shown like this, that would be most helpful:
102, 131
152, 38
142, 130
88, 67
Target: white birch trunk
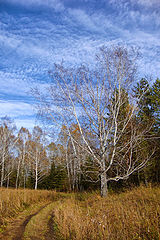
2, 170
18, 171
104, 186
36, 172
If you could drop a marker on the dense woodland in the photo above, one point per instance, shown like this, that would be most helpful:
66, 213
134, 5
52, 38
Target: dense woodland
113, 141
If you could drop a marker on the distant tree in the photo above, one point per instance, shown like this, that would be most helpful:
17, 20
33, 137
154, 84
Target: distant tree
75, 156
22, 147
37, 155
7, 144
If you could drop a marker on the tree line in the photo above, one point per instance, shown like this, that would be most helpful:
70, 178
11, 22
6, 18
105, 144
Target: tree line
108, 129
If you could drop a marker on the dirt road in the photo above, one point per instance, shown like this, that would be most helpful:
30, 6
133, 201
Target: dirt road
35, 226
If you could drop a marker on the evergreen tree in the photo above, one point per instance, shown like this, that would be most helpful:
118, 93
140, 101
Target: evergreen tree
155, 104
149, 109
143, 94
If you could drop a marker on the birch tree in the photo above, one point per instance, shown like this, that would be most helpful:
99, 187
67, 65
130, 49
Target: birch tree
74, 155
37, 155
94, 100
7, 144
22, 161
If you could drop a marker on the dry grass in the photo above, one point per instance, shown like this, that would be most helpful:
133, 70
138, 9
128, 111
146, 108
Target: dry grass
13, 201
127, 216
131, 215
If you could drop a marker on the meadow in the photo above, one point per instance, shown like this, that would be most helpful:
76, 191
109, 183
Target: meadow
133, 214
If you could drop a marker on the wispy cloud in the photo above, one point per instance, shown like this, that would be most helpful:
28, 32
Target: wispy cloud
21, 112
34, 34
15, 108
148, 3
142, 13
55, 4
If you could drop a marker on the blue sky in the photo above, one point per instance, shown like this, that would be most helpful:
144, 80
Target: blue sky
36, 33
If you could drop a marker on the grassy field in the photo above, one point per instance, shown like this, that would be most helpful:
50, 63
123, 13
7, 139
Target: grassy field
133, 214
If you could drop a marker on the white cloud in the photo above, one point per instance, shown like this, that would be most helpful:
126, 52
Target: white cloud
22, 113
147, 12
83, 18
27, 123
55, 4
96, 22
10, 41
16, 44
13, 83
15, 109
35, 43
147, 3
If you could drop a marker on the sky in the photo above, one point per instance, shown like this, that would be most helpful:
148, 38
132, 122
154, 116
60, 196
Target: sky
35, 34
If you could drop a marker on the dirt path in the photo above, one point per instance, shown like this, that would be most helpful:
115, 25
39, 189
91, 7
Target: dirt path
17, 228
20, 231
35, 224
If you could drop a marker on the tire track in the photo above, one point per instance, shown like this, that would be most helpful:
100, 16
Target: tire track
20, 231
53, 232
50, 234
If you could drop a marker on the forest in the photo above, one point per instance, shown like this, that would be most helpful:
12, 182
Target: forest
107, 126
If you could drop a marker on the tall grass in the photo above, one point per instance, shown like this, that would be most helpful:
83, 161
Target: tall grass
13, 201
131, 215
